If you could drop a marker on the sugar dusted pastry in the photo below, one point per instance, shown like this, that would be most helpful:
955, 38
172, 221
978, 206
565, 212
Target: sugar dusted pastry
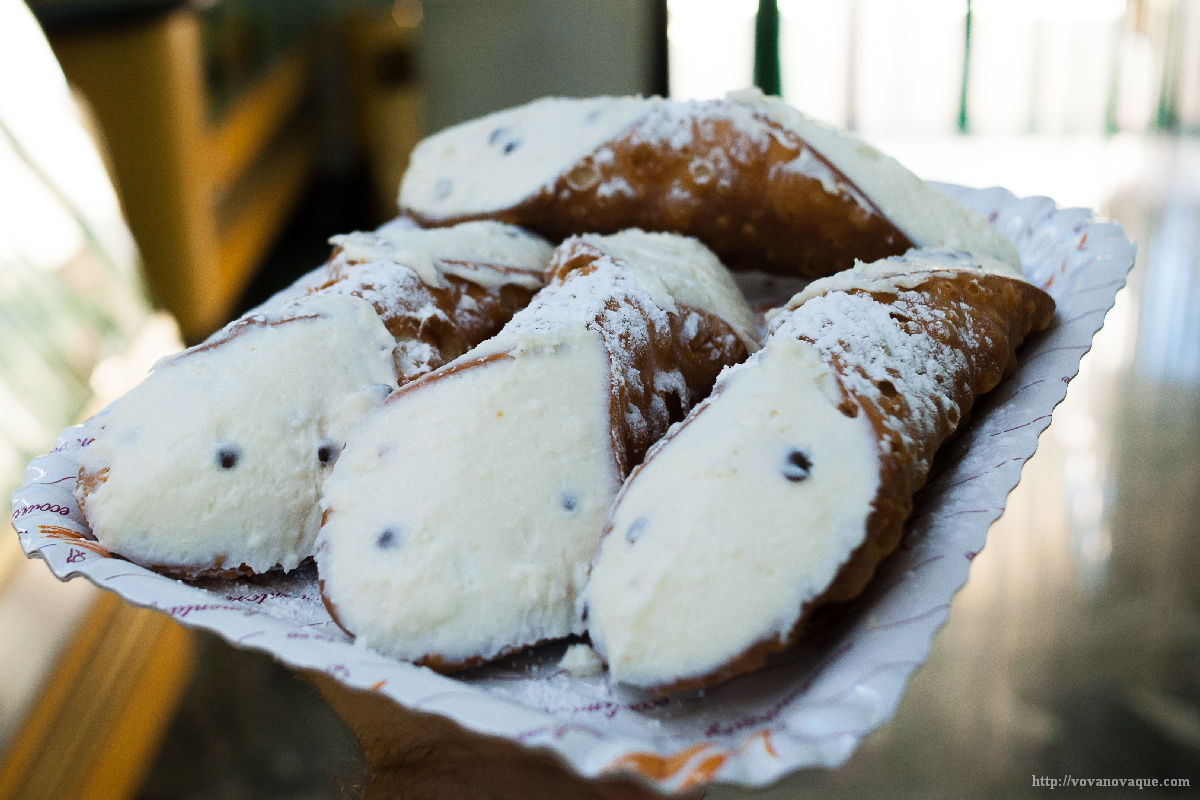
785, 488
442, 291
764, 186
212, 466
463, 512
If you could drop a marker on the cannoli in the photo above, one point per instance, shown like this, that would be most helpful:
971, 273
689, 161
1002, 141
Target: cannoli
785, 488
764, 186
460, 285
462, 514
212, 465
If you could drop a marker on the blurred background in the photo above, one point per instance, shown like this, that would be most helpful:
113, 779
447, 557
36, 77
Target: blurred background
166, 165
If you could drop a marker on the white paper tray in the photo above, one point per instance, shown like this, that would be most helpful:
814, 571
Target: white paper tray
809, 708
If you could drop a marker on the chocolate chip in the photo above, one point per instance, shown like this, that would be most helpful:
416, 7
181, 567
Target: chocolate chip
228, 454
503, 138
674, 403
328, 451
569, 501
388, 539
797, 466
636, 529
442, 189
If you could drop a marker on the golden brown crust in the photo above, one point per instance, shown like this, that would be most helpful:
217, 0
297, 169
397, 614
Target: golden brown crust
1002, 312
86, 483
986, 317
712, 344
217, 571
459, 324
743, 196
240, 327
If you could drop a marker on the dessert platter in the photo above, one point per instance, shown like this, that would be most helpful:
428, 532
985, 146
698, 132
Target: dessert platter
657, 434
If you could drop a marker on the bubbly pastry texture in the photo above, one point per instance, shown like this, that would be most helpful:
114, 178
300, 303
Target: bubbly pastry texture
785, 489
502, 158
212, 464
928, 217
761, 184
482, 550
892, 275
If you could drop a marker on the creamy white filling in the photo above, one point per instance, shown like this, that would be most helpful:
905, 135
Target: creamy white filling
218, 452
463, 512
673, 268
474, 251
501, 159
737, 520
581, 661
927, 216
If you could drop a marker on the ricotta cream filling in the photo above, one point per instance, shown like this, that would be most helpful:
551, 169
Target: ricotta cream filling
473, 251
499, 160
678, 269
445, 535
522, 150
740, 517
928, 217
220, 450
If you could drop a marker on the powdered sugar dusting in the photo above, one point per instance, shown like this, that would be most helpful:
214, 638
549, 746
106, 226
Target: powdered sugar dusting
607, 299
486, 253
384, 284
893, 348
680, 270
805, 711
901, 272
678, 126
414, 311
414, 357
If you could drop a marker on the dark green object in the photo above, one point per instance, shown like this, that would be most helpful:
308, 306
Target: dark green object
963, 125
766, 47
